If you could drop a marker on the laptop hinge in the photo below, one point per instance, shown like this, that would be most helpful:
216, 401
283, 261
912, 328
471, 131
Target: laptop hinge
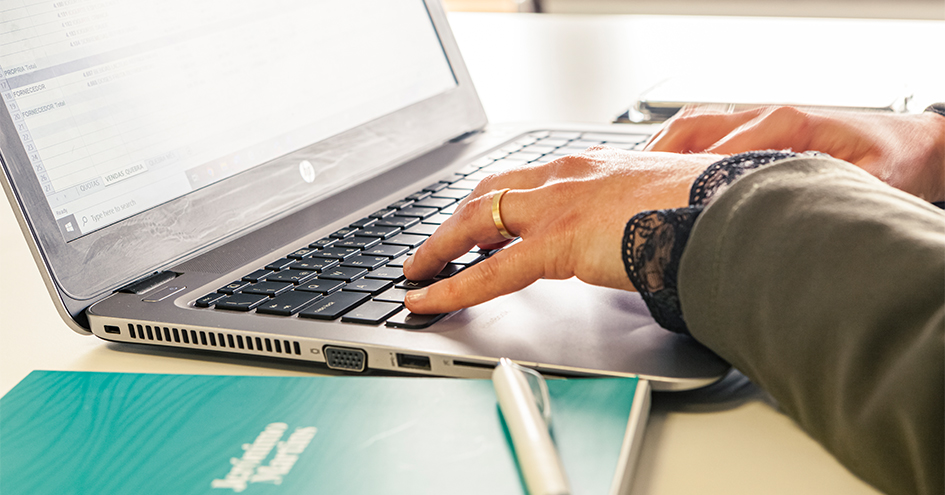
147, 283
465, 135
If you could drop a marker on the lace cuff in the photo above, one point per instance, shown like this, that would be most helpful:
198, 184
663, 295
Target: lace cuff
653, 241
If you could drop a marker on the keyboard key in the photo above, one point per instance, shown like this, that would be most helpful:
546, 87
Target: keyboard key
437, 219
436, 186
449, 210
358, 242
498, 154
301, 253
241, 302
482, 161
503, 165
541, 149
336, 253
397, 262
343, 273
386, 212
411, 211
321, 286
267, 288
380, 232
292, 276
466, 184
469, 258
371, 286
478, 176
369, 262
414, 284
323, 243
289, 303
397, 221
454, 193
556, 142
434, 202
417, 196
422, 229
387, 273
513, 147
412, 321
584, 143
528, 157
449, 179
472, 167
343, 232
565, 134
372, 313
364, 222
208, 300
257, 275
570, 150
388, 250
392, 295
280, 263
408, 240
314, 264
449, 270
335, 305
396, 205
615, 138
232, 287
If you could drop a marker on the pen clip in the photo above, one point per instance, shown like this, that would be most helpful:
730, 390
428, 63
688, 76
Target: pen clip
538, 386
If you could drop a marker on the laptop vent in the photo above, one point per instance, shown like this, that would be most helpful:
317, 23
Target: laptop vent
213, 339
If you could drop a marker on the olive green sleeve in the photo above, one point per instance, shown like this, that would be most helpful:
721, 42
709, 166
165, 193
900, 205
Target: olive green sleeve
827, 288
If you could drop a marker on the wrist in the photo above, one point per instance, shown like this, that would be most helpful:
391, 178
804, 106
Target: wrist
654, 241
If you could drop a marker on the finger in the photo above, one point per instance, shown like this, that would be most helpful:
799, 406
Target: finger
696, 131
778, 128
468, 227
509, 270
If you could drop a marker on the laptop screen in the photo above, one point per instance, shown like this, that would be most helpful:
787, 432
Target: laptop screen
125, 105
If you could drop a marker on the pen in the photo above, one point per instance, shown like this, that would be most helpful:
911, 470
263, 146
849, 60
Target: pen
536, 453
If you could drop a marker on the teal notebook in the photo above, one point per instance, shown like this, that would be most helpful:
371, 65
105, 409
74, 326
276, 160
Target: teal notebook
118, 433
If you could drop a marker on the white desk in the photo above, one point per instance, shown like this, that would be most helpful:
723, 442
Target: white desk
727, 439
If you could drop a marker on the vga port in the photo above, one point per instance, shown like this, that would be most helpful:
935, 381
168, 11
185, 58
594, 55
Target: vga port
345, 358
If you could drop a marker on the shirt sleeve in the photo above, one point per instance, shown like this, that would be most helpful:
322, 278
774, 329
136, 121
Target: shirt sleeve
826, 287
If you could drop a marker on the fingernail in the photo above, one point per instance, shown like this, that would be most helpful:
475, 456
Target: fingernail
415, 295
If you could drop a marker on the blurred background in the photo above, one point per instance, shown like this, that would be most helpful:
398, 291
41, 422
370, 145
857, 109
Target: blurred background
879, 9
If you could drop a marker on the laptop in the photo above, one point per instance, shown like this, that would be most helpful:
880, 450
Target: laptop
248, 177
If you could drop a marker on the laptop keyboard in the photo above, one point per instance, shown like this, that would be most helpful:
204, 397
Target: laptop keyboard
356, 273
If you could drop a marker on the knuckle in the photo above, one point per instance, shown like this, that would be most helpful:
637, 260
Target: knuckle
485, 185
786, 113
487, 271
449, 289
469, 210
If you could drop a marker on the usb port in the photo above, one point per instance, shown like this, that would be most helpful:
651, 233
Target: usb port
112, 329
413, 362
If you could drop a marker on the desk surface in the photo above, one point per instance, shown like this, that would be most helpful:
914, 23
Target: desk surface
728, 438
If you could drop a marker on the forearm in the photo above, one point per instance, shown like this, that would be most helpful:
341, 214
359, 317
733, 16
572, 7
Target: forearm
827, 288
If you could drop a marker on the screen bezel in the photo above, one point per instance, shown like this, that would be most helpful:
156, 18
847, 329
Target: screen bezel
92, 266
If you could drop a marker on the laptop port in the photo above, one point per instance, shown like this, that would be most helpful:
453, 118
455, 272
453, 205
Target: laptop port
112, 329
345, 358
413, 362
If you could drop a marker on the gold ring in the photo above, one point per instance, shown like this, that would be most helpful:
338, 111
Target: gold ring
497, 214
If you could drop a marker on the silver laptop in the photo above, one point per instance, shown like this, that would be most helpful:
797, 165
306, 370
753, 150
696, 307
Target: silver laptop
247, 177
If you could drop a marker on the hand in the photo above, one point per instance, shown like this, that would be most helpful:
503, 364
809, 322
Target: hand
905, 151
570, 214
